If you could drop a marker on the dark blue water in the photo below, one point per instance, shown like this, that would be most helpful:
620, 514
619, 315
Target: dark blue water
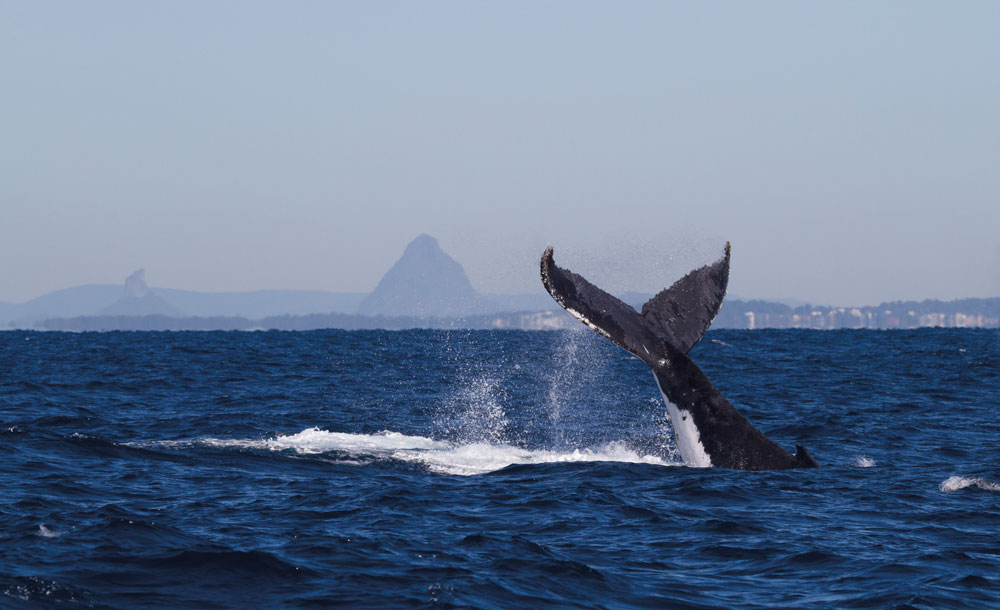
493, 470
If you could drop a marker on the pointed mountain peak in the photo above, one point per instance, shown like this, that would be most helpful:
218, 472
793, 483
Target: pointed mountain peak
423, 243
424, 282
425, 248
135, 285
139, 300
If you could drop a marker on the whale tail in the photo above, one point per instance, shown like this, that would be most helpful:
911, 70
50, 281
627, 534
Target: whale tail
679, 315
709, 430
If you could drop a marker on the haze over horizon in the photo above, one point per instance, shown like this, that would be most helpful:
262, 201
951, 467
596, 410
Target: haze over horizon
848, 151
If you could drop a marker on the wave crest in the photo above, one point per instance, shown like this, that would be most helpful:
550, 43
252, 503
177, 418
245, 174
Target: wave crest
442, 457
956, 483
863, 461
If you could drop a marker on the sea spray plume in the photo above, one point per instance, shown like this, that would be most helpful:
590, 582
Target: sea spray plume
567, 356
476, 412
475, 409
550, 399
708, 430
573, 374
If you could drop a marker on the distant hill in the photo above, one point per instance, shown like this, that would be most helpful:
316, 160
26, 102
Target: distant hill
138, 300
547, 320
261, 303
426, 288
427, 283
424, 282
107, 299
735, 314
65, 303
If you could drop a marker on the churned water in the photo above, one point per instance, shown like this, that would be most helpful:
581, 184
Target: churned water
492, 470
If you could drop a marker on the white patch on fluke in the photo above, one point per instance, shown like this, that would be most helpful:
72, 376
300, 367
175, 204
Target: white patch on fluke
438, 456
579, 316
687, 435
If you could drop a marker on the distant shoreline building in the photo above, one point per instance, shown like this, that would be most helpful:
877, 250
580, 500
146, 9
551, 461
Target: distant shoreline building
963, 313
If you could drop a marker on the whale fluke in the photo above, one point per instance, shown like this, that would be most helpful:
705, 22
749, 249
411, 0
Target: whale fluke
709, 431
681, 314
608, 315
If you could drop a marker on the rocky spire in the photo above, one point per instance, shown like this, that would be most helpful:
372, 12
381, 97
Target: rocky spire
424, 282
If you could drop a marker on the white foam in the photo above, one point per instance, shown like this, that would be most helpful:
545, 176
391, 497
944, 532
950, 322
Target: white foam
45, 532
956, 483
314, 440
438, 456
863, 461
480, 457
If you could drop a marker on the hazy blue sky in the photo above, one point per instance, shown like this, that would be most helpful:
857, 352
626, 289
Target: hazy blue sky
849, 150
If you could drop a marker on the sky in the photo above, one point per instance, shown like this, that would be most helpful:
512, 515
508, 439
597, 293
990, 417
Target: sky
849, 151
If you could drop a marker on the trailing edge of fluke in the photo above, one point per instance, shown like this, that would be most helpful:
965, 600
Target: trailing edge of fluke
709, 431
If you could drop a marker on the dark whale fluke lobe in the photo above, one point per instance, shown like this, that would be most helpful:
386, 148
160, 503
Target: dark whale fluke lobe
709, 431
681, 314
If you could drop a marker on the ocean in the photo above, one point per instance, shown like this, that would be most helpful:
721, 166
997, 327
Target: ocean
491, 469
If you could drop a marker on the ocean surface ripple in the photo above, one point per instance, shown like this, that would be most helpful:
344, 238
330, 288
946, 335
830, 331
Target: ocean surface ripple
491, 469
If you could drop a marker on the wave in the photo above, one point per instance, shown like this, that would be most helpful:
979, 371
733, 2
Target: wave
253, 563
48, 592
956, 483
863, 461
441, 457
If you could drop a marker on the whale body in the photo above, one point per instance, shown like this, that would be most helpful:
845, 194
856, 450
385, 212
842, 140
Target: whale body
709, 432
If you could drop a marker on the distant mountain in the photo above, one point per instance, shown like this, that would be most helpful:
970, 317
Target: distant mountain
262, 303
65, 303
544, 320
139, 300
424, 282
107, 299
426, 288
